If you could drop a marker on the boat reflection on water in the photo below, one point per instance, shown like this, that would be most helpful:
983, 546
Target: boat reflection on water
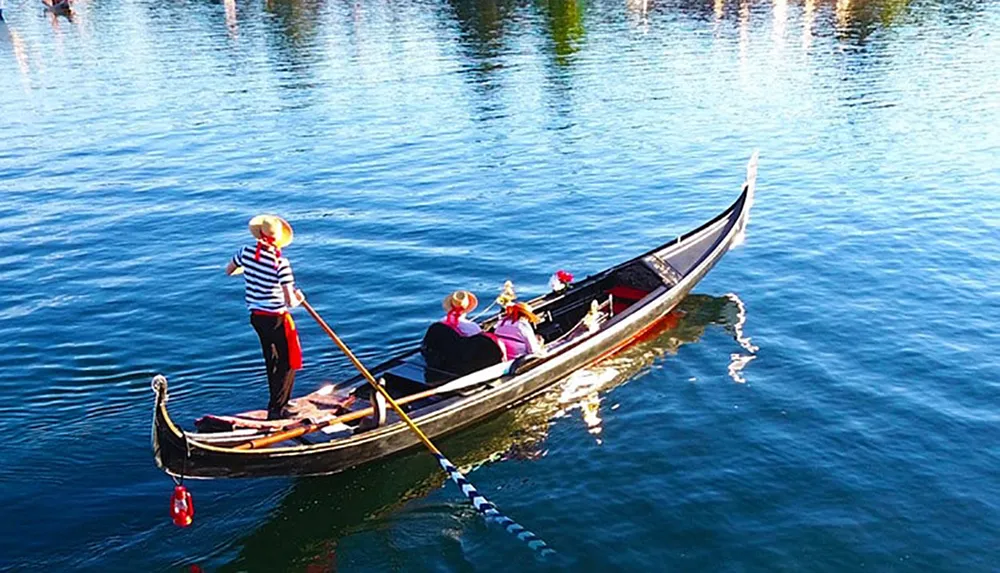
304, 529
583, 390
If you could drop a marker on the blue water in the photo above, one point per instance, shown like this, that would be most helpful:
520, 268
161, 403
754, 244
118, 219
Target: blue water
418, 147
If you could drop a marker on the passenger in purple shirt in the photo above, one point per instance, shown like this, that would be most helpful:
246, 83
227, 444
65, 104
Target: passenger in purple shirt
517, 332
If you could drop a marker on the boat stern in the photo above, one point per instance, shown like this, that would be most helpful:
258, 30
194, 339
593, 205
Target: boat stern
167, 440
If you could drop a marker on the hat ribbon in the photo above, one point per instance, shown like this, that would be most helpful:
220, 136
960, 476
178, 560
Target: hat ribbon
268, 241
451, 319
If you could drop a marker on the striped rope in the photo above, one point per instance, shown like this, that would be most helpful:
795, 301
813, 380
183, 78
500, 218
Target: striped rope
490, 511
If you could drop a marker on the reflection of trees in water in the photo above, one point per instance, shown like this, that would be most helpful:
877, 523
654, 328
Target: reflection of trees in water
303, 530
486, 26
482, 23
482, 34
565, 21
297, 21
857, 19
294, 31
484, 29
849, 19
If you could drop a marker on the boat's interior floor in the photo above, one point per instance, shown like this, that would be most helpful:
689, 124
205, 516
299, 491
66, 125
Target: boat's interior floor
299, 409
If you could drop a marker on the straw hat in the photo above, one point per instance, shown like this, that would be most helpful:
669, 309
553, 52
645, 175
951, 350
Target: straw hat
460, 300
273, 227
519, 309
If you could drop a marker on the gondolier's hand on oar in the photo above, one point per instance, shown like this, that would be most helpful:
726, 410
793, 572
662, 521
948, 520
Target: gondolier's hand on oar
293, 296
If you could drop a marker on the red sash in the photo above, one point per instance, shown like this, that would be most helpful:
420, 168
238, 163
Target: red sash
294, 346
291, 336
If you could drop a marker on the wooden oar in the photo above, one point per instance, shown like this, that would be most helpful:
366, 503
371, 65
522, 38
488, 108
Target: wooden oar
482, 505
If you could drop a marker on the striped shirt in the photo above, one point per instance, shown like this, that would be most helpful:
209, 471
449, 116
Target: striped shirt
264, 278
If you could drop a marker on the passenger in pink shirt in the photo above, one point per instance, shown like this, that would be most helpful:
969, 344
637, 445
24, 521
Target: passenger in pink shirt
517, 332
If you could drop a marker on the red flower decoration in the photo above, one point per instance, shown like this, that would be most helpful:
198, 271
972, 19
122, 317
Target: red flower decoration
564, 277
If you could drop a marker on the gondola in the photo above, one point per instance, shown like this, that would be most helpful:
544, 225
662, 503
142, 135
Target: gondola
581, 324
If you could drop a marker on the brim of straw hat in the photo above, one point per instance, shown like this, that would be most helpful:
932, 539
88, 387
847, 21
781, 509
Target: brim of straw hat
286, 235
526, 311
449, 301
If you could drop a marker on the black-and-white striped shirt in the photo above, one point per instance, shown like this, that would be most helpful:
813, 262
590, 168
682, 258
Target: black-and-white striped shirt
264, 278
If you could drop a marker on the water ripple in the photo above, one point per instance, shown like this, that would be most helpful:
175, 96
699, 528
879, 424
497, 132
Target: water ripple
424, 146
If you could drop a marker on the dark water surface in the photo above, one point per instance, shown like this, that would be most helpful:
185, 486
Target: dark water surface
422, 146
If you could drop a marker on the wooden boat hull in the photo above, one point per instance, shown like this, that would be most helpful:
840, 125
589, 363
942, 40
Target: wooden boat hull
680, 264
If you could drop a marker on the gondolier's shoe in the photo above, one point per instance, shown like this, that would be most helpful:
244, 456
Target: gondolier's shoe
289, 412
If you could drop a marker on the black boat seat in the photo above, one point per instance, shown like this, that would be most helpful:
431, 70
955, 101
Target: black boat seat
479, 352
414, 375
409, 371
446, 350
441, 347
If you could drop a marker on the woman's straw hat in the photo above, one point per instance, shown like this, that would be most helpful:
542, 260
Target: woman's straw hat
271, 229
460, 300
519, 309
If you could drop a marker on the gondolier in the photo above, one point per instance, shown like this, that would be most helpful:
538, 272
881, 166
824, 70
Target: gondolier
270, 294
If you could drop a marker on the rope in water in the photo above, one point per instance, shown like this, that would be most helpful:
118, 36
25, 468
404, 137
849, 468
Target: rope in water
490, 511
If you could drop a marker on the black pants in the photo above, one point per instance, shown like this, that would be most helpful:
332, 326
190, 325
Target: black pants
274, 345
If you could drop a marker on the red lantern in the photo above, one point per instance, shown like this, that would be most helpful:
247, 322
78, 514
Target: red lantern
182, 507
